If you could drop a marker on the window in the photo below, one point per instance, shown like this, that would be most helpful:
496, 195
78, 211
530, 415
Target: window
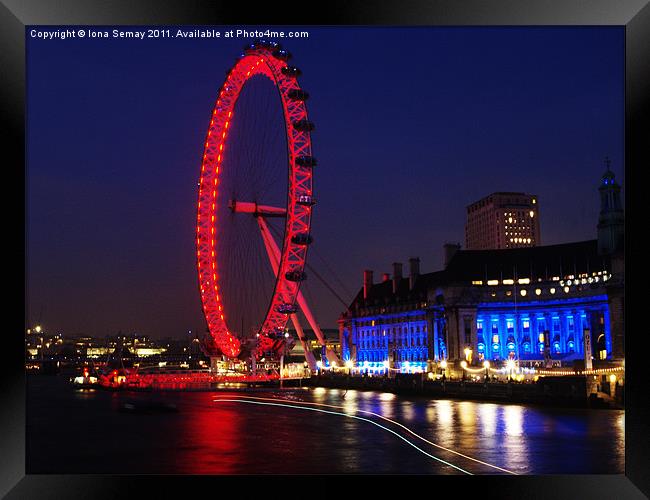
468, 331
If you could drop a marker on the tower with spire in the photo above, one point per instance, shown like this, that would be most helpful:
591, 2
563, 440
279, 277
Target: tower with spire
611, 220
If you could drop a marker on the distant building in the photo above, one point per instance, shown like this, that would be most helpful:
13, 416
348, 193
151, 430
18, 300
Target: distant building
331, 337
503, 220
538, 305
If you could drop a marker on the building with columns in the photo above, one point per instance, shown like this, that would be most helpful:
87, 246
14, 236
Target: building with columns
541, 305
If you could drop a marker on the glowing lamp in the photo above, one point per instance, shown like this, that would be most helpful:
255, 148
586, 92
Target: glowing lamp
443, 364
612, 378
463, 364
486, 364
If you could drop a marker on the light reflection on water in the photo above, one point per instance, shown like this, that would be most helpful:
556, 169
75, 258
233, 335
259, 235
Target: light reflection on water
487, 413
231, 438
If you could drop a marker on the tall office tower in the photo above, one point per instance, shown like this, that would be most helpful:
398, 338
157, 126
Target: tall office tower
503, 220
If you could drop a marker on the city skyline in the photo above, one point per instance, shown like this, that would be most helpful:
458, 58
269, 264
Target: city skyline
81, 217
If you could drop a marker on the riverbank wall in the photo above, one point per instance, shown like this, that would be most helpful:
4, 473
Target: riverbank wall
564, 391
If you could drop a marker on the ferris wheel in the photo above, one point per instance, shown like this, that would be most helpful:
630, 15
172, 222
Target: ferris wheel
255, 205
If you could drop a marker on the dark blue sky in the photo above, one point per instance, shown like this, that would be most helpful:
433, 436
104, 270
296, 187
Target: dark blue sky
412, 126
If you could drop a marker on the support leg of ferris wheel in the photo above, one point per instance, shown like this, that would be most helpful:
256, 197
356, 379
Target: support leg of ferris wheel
274, 257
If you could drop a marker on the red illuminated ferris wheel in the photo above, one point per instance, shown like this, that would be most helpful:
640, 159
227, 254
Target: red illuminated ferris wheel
256, 179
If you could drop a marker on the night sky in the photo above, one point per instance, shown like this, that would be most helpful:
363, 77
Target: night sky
412, 126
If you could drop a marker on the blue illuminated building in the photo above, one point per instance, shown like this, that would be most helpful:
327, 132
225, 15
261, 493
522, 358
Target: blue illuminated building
537, 305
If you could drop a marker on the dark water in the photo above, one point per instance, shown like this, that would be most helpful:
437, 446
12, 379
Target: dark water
69, 431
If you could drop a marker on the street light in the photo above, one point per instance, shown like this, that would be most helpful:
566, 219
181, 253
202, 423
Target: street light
510, 366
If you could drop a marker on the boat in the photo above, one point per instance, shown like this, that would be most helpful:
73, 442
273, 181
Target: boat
85, 381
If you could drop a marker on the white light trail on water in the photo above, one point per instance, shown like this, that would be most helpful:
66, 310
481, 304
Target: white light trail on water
242, 400
395, 423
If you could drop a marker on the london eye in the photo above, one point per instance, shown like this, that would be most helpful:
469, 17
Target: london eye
255, 204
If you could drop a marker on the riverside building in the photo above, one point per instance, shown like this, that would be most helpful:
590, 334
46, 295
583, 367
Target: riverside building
551, 305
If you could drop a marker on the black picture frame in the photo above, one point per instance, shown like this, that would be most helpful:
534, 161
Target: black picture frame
634, 15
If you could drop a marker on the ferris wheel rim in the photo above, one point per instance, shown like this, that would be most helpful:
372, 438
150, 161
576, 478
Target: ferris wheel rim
266, 59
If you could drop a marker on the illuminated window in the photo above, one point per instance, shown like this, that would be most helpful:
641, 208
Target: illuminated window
523, 293
556, 325
538, 291
552, 290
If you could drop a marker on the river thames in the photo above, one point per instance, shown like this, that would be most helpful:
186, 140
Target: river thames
310, 431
